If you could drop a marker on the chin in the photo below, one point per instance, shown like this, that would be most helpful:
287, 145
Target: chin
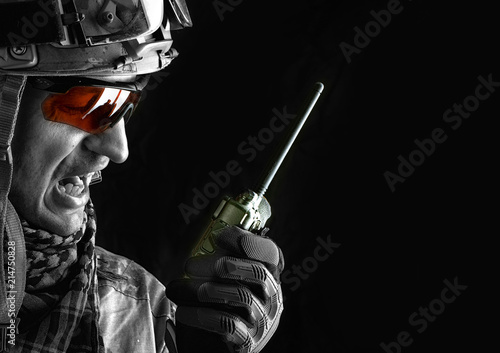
50, 216
60, 224
67, 224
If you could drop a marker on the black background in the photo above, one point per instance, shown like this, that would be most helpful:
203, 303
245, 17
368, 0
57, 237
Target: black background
397, 247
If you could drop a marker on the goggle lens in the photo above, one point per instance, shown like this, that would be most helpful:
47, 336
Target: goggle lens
92, 109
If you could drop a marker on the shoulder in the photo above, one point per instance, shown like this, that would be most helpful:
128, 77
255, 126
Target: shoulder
118, 274
133, 306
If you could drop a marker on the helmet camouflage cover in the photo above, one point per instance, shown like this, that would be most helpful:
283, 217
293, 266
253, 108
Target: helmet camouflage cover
112, 38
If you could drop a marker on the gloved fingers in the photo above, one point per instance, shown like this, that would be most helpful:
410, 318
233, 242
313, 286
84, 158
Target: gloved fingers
242, 243
230, 327
238, 300
247, 272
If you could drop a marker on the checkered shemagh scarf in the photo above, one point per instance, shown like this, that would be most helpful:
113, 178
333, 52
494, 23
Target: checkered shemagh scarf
59, 311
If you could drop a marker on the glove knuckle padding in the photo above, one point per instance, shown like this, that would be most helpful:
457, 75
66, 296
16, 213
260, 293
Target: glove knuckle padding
253, 273
229, 269
225, 324
245, 338
258, 329
234, 296
254, 247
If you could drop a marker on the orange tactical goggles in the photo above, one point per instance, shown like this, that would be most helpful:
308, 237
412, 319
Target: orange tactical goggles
92, 109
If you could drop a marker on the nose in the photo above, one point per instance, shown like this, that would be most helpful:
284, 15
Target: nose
111, 143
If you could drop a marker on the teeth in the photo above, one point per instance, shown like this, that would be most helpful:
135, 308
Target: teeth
76, 185
77, 190
79, 181
72, 190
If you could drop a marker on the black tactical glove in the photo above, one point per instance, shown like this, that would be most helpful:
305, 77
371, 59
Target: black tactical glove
231, 300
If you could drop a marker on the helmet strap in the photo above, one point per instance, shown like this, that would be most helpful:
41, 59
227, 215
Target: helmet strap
11, 296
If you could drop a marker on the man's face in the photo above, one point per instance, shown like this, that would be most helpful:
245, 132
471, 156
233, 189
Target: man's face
53, 164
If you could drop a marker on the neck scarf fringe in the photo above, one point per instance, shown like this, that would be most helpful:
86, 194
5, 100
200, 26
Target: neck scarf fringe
59, 312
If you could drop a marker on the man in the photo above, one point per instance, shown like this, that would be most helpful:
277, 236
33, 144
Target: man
70, 77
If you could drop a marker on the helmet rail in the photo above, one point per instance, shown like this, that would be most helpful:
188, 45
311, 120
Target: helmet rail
82, 37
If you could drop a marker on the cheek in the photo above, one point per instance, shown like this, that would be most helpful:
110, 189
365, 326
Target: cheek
36, 137
40, 147
40, 157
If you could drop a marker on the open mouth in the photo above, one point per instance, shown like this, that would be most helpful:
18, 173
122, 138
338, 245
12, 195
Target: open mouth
75, 186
